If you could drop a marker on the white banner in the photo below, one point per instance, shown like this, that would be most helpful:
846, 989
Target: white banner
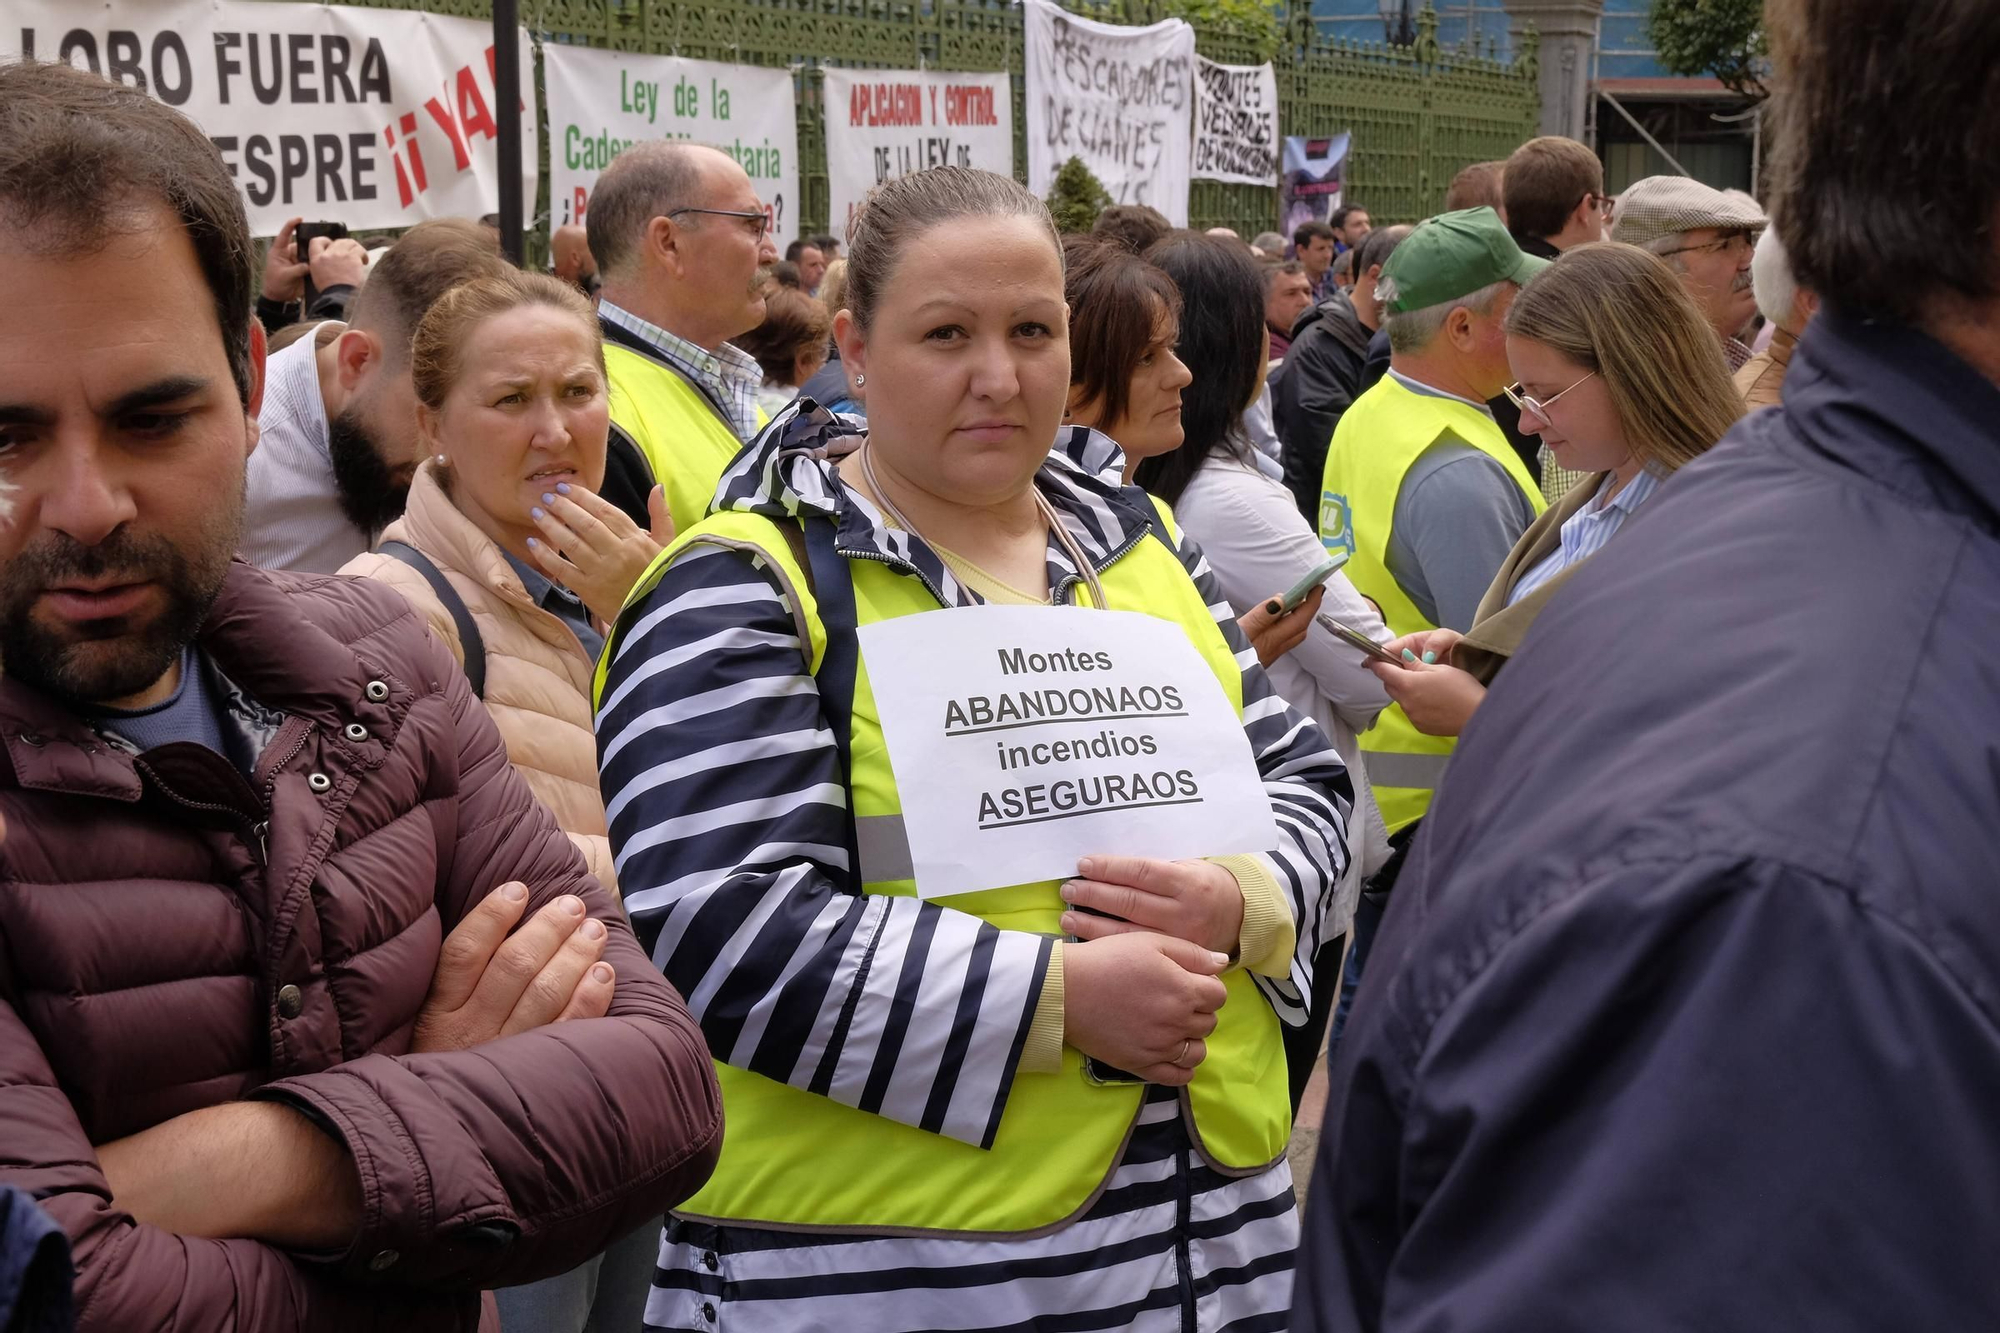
1119, 98
1235, 123
371, 117
600, 102
1025, 737
881, 124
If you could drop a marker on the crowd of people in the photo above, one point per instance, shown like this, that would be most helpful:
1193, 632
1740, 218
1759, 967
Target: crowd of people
465, 850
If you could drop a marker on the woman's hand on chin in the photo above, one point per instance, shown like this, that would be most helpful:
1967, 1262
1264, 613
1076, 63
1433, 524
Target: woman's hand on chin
590, 547
1196, 901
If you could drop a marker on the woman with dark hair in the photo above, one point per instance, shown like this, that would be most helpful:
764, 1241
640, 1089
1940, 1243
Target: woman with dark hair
1125, 379
1255, 539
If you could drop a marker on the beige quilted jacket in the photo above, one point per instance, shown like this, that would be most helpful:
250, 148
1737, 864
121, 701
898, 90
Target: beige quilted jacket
537, 674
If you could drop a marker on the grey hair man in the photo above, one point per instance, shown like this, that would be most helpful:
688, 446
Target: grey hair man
680, 240
1707, 236
1789, 308
1269, 243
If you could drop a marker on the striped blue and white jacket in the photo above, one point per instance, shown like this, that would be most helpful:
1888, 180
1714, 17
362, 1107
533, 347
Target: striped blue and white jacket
727, 809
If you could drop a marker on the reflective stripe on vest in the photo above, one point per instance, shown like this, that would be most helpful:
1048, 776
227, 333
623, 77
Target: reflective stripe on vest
793, 1159
686, 444
1377, 442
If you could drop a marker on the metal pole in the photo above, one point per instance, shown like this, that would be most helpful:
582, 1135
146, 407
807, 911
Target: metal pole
1658, 147
507, 92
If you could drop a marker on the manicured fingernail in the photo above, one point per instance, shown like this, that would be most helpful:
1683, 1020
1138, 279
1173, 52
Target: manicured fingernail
572, 904
514, 892
1430, 659
548, 499
533, 542
1221, 959
562, 488
1409, 656
1274, 606
593, 929
536, 512
602, 974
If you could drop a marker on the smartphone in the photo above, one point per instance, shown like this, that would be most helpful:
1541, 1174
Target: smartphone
1304, 586
302, 239
1347, 634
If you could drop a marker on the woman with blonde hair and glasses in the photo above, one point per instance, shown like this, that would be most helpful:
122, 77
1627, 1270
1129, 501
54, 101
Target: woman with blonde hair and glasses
1617, 373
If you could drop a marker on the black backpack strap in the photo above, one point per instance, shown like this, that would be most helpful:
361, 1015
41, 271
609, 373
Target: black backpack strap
469, 641
832, 586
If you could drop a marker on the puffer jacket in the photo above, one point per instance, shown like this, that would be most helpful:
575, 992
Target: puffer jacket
537, 673
173, 936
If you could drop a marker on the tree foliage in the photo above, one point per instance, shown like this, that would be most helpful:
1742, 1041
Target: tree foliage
1723, 39
1257, 21
1076, 197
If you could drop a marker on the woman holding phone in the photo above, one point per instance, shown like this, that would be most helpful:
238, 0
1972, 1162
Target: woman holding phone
1616, 371
925, 1118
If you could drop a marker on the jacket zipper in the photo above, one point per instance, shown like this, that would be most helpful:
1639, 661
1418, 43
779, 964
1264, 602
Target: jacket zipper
255, 826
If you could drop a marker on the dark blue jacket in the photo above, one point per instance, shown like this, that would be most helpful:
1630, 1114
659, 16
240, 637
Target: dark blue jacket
1686, 1011
35, 1274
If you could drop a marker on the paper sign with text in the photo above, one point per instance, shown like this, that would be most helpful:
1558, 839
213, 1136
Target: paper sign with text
371, 117
885, 123
1024, 737
601, 102
1119, 98
1235, 123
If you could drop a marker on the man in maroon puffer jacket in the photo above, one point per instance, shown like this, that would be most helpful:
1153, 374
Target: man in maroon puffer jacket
310, 1017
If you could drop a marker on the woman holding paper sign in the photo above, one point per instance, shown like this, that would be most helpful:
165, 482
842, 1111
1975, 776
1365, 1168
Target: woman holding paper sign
925, 1113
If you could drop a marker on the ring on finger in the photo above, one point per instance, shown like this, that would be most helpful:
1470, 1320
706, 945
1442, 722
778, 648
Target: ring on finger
1186, 1046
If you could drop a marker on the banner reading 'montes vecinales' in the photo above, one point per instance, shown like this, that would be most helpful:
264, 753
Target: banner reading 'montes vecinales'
1235, 122
601, 102
882, 123
1118, 98
371, 117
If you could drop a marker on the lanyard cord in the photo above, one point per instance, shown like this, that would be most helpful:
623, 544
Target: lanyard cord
1048, 513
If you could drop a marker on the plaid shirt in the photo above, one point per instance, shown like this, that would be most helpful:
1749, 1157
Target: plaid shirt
729, 378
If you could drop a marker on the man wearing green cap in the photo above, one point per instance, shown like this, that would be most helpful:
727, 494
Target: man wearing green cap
1421, 489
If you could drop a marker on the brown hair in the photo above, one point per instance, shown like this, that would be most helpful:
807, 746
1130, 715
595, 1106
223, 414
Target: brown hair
432, 258
437, 348
897, 212
1620, 311
1116, 301
1477, 185
1885, 144
1545, 180
77, 154
1134, 226
793, 323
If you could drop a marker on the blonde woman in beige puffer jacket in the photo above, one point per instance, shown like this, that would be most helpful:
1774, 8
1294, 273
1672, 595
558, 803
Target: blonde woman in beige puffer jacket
514, 420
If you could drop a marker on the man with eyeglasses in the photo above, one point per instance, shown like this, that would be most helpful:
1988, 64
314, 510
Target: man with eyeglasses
1707, 236
1554, 191
680, 239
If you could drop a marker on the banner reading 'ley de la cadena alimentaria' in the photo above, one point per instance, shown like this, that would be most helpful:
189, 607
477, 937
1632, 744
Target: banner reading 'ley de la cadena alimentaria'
602, 102
371, 117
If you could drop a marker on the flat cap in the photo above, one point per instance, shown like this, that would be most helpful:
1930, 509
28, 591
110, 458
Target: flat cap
1663, 205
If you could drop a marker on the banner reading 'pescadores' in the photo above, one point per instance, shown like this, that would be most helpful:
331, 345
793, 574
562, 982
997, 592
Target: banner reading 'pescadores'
602, 102
882, 123
371, 117
1235, 122
1118, 98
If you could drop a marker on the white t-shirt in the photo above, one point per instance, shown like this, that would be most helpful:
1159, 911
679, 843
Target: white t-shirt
293, 518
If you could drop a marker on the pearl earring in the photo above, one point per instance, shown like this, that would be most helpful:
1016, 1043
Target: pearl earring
440, 458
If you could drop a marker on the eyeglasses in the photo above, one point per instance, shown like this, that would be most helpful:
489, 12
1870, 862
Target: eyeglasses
1723, 246
1529, 404
1606, 203
760, 217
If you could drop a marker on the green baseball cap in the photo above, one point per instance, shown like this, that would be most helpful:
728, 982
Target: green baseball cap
1454, 255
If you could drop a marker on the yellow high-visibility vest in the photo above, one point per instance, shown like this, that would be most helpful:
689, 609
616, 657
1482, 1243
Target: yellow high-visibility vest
793, 1159
1377, 442
686, 444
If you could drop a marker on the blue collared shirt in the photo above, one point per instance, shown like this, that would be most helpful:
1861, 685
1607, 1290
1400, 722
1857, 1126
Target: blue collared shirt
561, 603
729, 377
1586, 531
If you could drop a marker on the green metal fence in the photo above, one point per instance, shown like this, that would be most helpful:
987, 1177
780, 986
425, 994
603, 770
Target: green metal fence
1418, 113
